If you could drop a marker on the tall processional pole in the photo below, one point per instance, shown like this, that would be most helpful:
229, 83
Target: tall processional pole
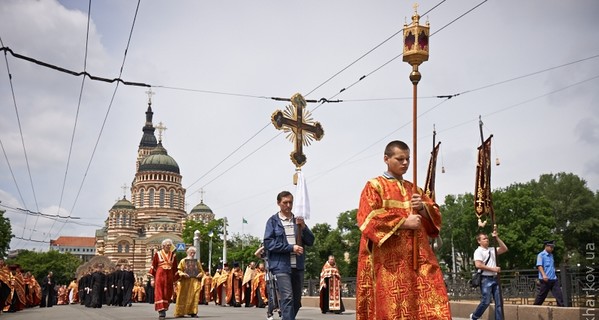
415, 51
483, 202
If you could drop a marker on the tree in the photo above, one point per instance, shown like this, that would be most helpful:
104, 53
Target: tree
62, 265
574, 209
242, 248
558, 207
327, 241
5, 234
458, 232
524, 221
216, 227
351, 235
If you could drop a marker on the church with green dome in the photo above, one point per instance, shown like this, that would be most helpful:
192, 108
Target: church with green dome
134, 229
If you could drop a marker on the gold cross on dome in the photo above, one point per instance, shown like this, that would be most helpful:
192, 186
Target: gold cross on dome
124, 187
161, 128
300, 127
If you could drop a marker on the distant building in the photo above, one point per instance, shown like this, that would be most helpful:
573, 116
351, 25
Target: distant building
135, 229
82, 247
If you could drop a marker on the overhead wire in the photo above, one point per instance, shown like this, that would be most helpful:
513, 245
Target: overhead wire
107, 111
64, 181
322, 100
367, 53
14, 99
261, 97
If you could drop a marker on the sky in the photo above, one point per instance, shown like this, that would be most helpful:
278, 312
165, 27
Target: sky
529, 69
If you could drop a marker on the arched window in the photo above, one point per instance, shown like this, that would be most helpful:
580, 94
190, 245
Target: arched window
172, 199
127, 248
162, 195
151, 198
122, 220
120, 248
141, 197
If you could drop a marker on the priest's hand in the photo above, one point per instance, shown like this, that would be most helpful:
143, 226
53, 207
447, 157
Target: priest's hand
412, 222
417, 203
184, 275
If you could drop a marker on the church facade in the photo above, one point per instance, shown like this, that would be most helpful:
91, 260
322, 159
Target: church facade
135, 228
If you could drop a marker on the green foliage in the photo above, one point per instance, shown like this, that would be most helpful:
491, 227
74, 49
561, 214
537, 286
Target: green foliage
339, 242
217, 227
459, 230
5, 234
558, 207
63, 265
240, 248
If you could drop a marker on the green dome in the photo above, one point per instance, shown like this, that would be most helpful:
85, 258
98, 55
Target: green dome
123, 204
159, 160
201, 208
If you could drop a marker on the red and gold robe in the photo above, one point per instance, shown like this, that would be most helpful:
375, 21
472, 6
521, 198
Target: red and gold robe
218, 281
388, 287
19, 290
246, 285
63, 295
333, 301
205, 294
259, 285
164, 268
73, 289
234, 286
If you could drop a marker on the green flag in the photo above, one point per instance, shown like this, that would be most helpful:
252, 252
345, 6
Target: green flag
244, 221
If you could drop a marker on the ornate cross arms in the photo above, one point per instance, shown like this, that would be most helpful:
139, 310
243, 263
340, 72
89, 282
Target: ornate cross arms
299, 126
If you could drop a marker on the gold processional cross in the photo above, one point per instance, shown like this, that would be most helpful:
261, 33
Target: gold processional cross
300, 127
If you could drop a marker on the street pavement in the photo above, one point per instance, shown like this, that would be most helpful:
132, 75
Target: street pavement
146, 311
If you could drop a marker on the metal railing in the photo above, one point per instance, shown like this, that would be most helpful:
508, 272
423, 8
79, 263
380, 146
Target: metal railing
518, 286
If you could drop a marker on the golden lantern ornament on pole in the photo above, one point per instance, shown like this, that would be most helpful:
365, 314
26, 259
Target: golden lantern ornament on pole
415, 52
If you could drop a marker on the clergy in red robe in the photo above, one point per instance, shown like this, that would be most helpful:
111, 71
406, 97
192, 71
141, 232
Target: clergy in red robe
330, 288
206, 291
234, 286
259, 292
390, 284
164, 268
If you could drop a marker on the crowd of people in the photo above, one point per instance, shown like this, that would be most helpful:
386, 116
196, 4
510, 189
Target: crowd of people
20, 290
398, 274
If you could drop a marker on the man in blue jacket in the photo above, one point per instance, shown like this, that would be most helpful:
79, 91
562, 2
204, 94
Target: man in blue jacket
284, 241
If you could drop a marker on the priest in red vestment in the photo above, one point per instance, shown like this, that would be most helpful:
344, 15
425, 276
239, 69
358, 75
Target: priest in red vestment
390, 284
330, 288
164, 268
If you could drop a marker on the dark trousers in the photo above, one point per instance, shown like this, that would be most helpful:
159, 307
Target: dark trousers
48, 298
4, 293
554, 287
248, 294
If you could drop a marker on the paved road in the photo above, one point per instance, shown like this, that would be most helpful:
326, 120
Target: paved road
146, 311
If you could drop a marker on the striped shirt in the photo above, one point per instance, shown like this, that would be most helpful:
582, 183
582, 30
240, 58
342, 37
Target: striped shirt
290, 234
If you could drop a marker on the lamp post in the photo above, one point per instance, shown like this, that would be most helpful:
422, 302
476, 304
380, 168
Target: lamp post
415, 51
196, 243
210, 234
225, 240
